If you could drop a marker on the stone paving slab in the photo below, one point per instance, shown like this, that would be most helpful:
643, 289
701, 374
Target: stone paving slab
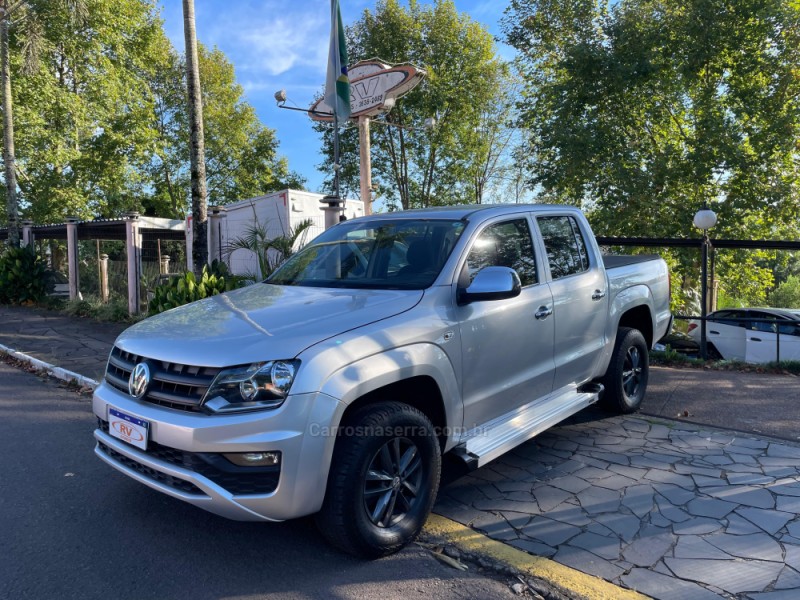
662, 510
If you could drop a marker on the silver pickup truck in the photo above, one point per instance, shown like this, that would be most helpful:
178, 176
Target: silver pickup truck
335, 386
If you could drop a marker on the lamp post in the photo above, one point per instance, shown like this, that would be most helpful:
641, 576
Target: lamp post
704, 219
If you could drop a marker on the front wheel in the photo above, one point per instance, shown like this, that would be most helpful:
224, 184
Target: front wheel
625, 380
383, 480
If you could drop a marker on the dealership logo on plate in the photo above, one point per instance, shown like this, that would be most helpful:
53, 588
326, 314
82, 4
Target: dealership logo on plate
127, 432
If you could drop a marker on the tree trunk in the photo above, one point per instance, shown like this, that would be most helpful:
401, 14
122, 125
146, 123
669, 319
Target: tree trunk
197, 143
12, 212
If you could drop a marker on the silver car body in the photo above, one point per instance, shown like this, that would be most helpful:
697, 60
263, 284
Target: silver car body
488, 360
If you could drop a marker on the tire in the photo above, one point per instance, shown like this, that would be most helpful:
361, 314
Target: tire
374, 503
625, 380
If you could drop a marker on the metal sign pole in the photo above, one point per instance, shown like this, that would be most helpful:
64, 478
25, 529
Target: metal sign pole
365, 163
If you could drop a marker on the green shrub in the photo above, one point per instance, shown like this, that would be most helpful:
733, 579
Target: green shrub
186, 289
787, 294
115, 310
80, 307
22, 277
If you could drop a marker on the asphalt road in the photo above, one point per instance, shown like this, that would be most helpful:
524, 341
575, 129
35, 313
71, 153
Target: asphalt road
72, 527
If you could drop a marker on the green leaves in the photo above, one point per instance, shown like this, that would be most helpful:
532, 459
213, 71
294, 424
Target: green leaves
186, 288
100, 118
242, 158
270, 252
415, 166
642, 110
23, 278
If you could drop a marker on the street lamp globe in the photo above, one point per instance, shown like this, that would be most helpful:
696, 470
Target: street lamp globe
705, 218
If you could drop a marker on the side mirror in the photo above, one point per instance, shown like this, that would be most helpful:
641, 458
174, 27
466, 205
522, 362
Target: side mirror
491, 283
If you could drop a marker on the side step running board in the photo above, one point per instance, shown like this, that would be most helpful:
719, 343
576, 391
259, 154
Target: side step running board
509, 431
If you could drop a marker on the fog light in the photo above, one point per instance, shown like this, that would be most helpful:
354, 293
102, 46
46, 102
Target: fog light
254, 459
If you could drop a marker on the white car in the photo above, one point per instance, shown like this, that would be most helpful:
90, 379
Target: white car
754, 335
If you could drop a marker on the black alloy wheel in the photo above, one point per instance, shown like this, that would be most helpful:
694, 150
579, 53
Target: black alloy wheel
392, 482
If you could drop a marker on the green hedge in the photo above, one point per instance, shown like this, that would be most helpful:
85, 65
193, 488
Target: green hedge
23, 278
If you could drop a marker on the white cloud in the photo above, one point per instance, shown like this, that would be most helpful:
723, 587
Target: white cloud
268, 38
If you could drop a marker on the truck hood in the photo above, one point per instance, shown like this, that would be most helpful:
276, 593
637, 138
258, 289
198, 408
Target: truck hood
260, 322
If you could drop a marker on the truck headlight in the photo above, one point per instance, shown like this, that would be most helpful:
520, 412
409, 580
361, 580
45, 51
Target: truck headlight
252, 387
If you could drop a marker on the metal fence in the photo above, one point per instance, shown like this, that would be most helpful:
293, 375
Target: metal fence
758, 339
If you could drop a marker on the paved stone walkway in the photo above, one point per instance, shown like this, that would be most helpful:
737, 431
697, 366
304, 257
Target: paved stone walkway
78, 345
672, 510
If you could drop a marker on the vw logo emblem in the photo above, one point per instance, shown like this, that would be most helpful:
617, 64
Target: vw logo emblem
139, 380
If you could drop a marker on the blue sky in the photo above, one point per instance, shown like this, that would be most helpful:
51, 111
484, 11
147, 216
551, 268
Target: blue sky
283, 44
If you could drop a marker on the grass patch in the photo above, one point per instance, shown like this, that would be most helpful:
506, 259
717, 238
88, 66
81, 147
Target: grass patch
671, 358
115, 310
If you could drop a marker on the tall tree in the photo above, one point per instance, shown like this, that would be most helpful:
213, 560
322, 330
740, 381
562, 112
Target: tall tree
644, 110
83, 111
197, 142
12, 210
242, 159
28, 13
102, 122
413, 165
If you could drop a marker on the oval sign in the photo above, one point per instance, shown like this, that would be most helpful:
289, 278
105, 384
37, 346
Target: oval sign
371, 84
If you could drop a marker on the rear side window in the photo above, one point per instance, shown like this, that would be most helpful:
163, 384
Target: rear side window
506, 244
737, 318
566, 248
769, 324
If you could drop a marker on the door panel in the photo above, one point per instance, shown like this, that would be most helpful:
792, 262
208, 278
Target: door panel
728, 333
580, 327
762, 339
580, 293
507, 352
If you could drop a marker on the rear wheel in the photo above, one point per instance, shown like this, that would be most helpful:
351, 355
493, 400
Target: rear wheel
383, 480
625, 380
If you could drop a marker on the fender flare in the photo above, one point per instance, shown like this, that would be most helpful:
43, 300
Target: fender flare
373, 372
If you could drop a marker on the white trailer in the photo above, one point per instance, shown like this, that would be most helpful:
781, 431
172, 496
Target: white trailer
278, 213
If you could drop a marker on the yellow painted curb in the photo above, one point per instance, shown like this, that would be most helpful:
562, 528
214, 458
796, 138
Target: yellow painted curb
579, 585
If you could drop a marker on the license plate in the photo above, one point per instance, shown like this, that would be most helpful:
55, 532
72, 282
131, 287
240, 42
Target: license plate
127, 428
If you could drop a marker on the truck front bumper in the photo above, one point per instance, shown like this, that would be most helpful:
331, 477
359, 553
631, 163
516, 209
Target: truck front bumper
180, 444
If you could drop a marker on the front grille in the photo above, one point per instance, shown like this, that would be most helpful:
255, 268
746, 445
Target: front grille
237, 480
173, 482
172, 385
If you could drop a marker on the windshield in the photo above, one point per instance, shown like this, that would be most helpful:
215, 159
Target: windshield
400, 254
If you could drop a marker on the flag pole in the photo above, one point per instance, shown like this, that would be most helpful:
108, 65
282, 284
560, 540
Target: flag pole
337, 97
336, 165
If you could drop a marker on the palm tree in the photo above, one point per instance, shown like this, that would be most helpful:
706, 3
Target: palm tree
26, 13
197, 141
270, 252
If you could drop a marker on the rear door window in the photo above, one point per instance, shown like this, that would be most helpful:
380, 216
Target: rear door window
764, 322
566, 248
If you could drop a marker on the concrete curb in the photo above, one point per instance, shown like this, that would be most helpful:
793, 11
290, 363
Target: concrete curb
52, 370
575, 583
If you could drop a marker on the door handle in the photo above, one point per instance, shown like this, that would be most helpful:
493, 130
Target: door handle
713, 331
543, 312
598, 295
755, 339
